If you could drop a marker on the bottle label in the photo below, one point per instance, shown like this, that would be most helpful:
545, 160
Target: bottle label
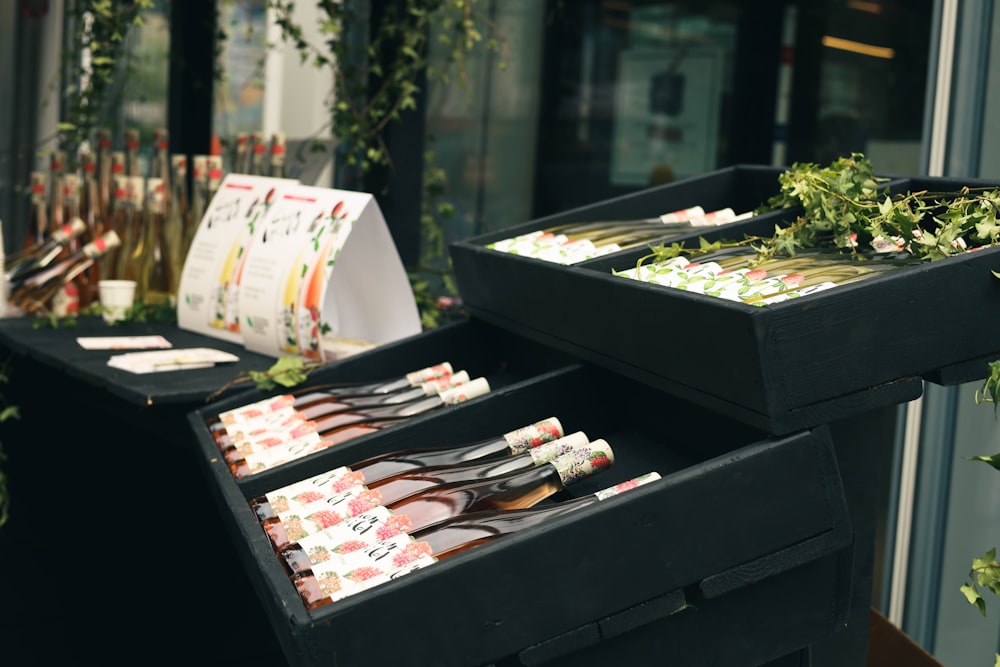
284, 452
262, 437
584, 461
310, 490
262, 426
618, 489
550, 450
328, 512
376, 525
66, 301
337, 586
388, 555
257, 409
429, 373
437, 385
464, 392
523, 439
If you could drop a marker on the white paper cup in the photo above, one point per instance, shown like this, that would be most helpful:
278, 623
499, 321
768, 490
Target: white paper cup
116, 298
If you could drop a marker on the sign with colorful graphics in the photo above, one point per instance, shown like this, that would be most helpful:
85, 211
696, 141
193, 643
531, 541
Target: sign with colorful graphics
304, 270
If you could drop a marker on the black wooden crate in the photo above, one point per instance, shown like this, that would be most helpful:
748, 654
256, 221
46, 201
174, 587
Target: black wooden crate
742, 525
781, 368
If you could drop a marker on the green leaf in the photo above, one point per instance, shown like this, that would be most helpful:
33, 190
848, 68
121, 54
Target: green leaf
991, 460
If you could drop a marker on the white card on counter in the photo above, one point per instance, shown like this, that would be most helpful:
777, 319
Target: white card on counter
123, 342
158, 361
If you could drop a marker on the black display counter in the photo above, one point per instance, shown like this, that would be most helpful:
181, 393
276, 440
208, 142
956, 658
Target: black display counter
115, 551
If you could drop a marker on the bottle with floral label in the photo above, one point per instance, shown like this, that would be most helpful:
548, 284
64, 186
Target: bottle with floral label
443, 539
277, 165
516, 490
341, 427
288, 403
261, 435
520, 488
321, 514
382, 466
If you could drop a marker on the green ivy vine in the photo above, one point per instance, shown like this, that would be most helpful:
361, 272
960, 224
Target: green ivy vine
375, 87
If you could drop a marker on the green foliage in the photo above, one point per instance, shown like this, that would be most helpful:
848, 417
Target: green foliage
288, 371
845, 206
100, 27
375, 87
138, 312
983, 576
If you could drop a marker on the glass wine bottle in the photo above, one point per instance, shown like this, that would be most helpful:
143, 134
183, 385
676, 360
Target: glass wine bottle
516, 490
132, 166
258, 154
278, 428
321, 514
289, 402
38, 229
344, 426
443, 539
240, 151
156, 281
175, 223
131, 233
453, 536
277, 155
34, 294
34, 259
382, 466
57, 168
104, 183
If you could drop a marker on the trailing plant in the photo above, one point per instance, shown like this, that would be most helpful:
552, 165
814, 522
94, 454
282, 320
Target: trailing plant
846, 206
88, 85
376, 85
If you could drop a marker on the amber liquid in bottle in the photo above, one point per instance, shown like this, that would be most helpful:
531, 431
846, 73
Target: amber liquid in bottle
522, 488
301, 397
383, 466
129, 258
314, 517
513, 491
449, 537
155, 278
34, 294
341, 427
34, 259
230, 442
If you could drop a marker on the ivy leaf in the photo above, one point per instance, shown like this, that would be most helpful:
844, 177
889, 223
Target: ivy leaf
288, 371
991, 460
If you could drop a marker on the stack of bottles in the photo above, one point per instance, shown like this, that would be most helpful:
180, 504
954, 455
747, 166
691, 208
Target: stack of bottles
353, 527
576, 242
262, 435
140, 207
737, 274
151, 199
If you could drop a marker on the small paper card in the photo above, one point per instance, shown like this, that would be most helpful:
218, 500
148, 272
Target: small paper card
158, 361
123, 342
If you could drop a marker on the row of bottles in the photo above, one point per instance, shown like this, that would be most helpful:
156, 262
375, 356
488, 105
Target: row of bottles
281, 429
353, 527
150, 199
576, 242
737, 274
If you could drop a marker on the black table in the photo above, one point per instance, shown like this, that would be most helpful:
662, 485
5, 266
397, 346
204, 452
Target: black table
115, 548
